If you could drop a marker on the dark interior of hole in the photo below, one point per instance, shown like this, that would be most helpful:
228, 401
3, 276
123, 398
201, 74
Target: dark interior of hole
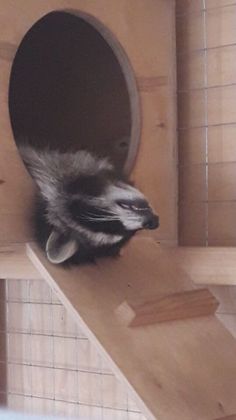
67, 90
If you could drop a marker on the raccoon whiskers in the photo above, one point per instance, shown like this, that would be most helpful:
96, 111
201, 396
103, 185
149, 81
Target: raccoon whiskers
84, 210
93, 217
99, 219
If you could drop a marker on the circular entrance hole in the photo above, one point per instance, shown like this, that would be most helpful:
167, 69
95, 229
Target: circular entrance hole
72, 87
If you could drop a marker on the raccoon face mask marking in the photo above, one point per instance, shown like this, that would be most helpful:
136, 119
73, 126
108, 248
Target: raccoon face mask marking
84, 209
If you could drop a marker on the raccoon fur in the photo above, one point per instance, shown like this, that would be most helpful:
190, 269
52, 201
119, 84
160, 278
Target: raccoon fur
84, 210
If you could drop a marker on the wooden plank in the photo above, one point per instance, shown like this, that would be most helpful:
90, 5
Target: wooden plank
206, 265
218, 3
221, 66
186, 6
131, 27
227, 298
221, 224
159, 363
189, 31
192, 183
206, 83
7, 51
229, 321
221, 106
221, 182
182, 305
224, 19
221, 143
190, 70
147, 84
192, 146
191, 109
14, 264
192, 223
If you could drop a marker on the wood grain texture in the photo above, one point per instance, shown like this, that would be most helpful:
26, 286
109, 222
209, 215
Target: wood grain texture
139, 31
224, 19
205, 265
227, 297
7, 51
183, 305
182, 355
14, 263
229, 321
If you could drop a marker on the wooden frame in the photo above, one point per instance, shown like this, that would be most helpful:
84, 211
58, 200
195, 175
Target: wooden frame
161, 362
176, 361
155, 77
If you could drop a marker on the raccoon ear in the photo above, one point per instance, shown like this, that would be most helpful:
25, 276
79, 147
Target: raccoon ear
60, 248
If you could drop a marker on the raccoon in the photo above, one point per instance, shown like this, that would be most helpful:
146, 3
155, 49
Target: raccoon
84, 210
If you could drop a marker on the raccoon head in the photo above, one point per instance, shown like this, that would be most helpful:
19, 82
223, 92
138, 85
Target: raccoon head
102, 204
100, 211
86, 203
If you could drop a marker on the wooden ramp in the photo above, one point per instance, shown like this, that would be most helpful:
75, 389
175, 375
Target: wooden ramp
177, 370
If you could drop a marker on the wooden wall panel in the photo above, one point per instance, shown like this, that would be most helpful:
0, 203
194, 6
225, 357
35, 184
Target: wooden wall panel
220, 26
192, 145
186, 6
221, 223
191, 109
190, 73
218, 3
221, 182
141, 30
192, 183
221, 143
221, 105
193, 223
190, 31
221, 67
220, 70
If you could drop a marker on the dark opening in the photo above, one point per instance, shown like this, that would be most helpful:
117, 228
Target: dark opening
68, 90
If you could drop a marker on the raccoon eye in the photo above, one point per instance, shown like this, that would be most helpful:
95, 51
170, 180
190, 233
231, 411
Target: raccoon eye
135, 208
125, 205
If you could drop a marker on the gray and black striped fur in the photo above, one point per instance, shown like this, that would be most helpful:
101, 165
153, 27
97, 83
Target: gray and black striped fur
84, 210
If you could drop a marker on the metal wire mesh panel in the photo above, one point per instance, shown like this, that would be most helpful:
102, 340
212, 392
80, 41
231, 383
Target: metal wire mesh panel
206, 47
52, 367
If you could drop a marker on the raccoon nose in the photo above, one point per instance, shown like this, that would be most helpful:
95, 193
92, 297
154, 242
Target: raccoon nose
151, 222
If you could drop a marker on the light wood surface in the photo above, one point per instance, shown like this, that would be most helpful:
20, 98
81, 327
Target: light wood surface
182, 305
178, 361
205, 265
141, 35
14, 263
233, 417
